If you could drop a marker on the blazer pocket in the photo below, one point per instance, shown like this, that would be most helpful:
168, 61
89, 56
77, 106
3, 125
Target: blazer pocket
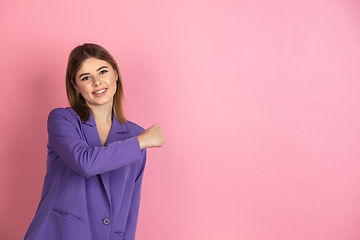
119, 235
67, 215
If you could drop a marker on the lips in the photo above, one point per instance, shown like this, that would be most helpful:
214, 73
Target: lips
100, 91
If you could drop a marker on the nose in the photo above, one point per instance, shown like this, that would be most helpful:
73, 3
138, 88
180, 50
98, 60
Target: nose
96, 81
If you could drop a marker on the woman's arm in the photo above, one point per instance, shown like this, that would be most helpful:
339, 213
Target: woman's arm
66, 140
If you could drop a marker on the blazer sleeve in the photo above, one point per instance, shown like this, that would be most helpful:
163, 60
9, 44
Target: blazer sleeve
131, 222
65, 138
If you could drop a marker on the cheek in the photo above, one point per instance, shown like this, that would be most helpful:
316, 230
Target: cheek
111, 82
84, 89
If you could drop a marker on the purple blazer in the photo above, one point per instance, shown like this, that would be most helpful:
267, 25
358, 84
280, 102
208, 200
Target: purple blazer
90, 191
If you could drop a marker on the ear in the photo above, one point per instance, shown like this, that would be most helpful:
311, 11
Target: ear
116, 74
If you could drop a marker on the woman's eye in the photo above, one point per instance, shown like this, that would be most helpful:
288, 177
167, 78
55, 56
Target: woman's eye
85, 78
103, 71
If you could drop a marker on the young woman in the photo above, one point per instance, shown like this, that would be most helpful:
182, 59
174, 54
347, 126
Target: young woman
96, 158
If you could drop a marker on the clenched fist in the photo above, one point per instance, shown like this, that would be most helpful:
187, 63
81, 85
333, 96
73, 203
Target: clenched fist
151, 137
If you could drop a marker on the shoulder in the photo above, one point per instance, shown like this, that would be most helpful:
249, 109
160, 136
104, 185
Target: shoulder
67, 114
63, 112
133, 128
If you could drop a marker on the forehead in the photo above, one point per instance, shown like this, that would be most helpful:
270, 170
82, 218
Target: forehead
91, 65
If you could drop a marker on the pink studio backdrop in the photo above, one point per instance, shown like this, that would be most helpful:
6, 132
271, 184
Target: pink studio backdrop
259, 102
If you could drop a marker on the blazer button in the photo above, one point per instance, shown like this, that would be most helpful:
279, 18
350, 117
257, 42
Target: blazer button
106, 221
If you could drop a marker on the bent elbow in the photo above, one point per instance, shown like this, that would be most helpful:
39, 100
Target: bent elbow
86, 171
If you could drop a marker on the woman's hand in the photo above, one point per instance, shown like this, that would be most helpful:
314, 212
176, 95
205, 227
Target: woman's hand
151, 137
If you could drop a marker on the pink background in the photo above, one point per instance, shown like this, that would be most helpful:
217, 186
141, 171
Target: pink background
259, 102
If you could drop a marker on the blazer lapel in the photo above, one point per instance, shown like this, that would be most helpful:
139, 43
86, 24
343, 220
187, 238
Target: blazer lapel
93, 139
118, 132
91, 133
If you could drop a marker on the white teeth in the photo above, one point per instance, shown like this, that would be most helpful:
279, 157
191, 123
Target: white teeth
101, 91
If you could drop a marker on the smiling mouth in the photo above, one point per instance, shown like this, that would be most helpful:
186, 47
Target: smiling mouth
101, 91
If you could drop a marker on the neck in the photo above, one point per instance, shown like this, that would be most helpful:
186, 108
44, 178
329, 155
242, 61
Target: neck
102, 113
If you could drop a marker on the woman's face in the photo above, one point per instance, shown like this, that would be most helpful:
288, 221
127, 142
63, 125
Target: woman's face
96, 82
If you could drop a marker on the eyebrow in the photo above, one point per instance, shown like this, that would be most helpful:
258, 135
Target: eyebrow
83, 74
